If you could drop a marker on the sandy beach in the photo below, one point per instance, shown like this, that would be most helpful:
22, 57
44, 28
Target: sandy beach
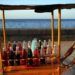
65, 45
29, 34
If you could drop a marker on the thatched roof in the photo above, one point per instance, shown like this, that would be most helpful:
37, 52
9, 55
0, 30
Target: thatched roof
37, 8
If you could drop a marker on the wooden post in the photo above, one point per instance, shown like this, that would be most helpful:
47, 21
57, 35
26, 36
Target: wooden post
1, 66
52, 37
4, 31
52, 31
59, 39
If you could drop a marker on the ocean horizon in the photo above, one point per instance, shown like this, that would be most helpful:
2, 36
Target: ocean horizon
37, 23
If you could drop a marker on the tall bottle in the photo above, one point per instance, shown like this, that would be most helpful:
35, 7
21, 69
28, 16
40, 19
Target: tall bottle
29, 44
49, 50
29, 50
34, 45
45, 46
48, 53
14, 45
17, 56
39, 45
19, 45
36, 59
11, 57
4, 57
9, 44
42, 55
25, 49
23, 54
30, 56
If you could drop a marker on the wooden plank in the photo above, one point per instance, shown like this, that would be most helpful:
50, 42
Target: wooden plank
45, 70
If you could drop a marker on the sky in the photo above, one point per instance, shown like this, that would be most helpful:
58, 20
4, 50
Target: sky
30, 14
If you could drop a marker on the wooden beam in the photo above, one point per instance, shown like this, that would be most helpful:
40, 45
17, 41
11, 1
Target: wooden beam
4, 30
59, 39
37, 8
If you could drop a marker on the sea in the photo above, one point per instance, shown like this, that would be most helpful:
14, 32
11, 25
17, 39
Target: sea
37, 23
